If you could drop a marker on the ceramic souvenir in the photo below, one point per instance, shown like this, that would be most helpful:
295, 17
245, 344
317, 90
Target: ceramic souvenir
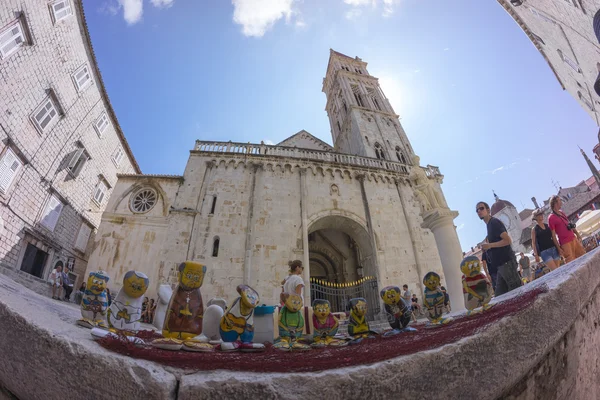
95, 301
398, 314
358, 327
185, 310
291, 323
476, 287
125, 311
162, 304
212, 319
325, 325
197, 346
168, 344
99, 333
434, 300
237, 325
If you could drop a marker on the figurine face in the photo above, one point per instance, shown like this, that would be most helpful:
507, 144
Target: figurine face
322, 310
432, 281
360, 308
293, 302
390, 295
135, 284
249, 296
97, 283
470, 266
191, 274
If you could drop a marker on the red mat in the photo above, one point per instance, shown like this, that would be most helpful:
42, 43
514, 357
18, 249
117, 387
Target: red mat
367, 352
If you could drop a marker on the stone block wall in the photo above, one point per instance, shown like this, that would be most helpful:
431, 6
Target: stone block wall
44, 67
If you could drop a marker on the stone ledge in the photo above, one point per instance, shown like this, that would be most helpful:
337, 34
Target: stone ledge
548, 351
46, 356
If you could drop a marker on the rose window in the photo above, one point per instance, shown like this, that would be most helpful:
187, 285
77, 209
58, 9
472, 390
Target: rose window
143, 201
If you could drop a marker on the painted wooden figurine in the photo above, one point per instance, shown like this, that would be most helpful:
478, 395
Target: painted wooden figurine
185, 311
398, 314
291, 323
325, 325
237, 325
125, 311
358, 327
95, 301
434, 300
215, 308
476, 287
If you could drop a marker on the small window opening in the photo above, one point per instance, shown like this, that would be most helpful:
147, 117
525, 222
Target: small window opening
215, 251
214, 205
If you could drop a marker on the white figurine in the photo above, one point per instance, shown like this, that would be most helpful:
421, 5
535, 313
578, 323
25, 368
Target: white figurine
125, 311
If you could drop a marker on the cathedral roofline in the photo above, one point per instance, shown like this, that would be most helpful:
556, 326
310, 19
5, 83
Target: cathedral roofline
313, 137
159, 176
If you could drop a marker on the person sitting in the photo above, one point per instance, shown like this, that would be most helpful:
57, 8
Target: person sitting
56, 282
415, 304
67, 285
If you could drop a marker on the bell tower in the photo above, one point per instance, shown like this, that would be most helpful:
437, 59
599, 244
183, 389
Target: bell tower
362, 119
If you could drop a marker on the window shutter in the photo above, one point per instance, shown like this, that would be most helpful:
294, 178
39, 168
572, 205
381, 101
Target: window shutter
75, 158
83, 236
53, 210
8, 169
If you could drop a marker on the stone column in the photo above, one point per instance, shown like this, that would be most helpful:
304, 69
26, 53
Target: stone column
374, 263
305, 253
441, 223
206, 179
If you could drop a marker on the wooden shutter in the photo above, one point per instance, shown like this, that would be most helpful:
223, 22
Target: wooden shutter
52, 213
83, 236
8, 169
75, 158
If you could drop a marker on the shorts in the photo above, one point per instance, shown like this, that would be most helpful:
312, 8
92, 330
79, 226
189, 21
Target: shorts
550, 254
56, 283
572, 250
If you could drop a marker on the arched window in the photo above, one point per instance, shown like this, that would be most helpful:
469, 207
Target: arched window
379, 152
215, 252
367, 139
400, 155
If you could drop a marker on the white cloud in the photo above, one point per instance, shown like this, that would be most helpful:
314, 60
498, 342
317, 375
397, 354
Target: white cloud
460, 227
268, 142
357, 3
162, 3
132, 10
388, 7
258, 16
447, 48
353, 13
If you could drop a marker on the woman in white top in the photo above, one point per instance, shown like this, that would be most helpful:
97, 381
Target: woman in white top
294, 282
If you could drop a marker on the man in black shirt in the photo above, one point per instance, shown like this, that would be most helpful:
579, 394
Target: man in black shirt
499, 252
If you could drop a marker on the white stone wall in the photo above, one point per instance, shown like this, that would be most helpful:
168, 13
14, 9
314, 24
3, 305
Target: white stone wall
573, 34
275, 234
47, 62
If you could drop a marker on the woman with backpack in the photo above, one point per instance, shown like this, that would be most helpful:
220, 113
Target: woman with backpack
544, 243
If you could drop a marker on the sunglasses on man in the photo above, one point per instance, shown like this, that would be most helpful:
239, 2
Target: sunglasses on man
479, 209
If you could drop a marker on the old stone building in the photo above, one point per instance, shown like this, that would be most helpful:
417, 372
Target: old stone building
567, 35
362, 208
61, 146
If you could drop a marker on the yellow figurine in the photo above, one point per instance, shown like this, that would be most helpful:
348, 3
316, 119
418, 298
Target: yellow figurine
476, 287
237, 325
358, 327
291, 323
434, 300
326, 325
125, 311
185, 310
95, 301
398, 314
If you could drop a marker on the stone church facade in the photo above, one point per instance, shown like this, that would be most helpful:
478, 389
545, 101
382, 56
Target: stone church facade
362, 208
61, 146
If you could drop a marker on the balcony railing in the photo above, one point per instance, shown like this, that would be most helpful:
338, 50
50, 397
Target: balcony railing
307, 154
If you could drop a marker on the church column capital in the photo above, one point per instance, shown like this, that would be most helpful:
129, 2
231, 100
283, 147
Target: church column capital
360, 177
438, 217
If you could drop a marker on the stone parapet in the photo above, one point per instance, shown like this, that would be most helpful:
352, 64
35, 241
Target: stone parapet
548, 350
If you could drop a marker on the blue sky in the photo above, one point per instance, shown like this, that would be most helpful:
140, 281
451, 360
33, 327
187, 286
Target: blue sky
473, 94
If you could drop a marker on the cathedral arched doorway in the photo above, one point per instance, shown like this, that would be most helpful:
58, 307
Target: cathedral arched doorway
342, 262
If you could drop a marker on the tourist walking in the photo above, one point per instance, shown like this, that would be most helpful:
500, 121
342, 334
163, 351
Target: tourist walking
294, 282
524, 267
56, 282
66, 283
568, 237
406, 295
501, 260
544, 243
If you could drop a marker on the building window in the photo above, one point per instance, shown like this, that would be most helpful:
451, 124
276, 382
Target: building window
12, 38
568, 61
118, 156
339, 126
214, 205
100, 192
537, 38
34, 260
400, 155
82, 78
357, 95
585, 100
367, 139
83, 237
9, 167
45, 115
52, 213
143, 201
379, 152
61, 9
371, 93
215, 249
78, 160
101, 124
